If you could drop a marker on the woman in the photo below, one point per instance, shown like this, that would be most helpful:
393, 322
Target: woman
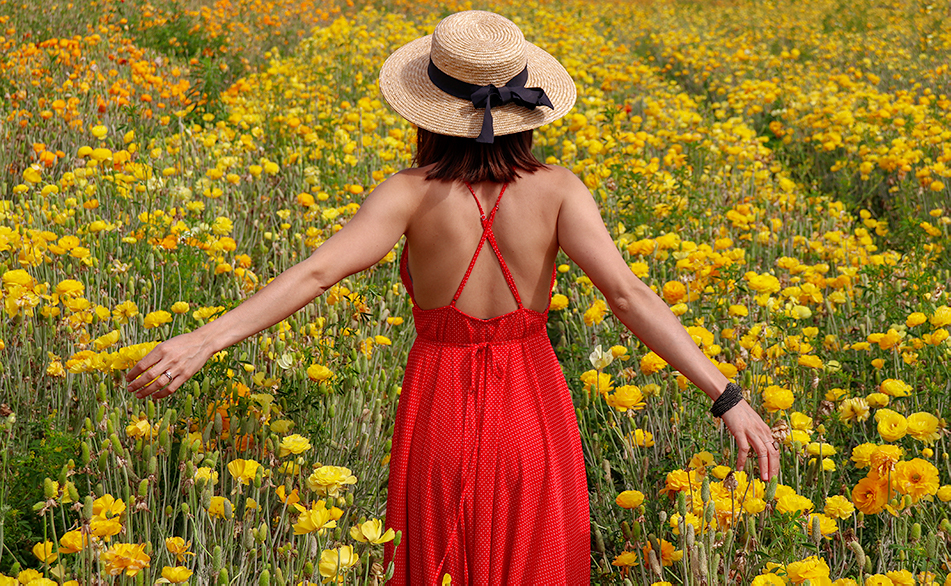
487, 479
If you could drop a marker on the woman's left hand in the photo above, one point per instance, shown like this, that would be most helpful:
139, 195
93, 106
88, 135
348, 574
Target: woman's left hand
751, 432
168, 366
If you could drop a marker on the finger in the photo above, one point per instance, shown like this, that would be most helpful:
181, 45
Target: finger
774, 459
151, 380
764, 454
141, 366
743, 450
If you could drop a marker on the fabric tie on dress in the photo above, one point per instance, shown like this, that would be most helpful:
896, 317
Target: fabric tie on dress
486, 96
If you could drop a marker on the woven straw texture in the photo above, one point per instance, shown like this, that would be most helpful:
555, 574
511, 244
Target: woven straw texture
479, 48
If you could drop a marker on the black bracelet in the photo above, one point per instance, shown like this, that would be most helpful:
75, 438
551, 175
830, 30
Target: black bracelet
728, 399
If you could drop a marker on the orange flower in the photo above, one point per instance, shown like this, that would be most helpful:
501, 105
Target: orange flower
870, 495
916, 478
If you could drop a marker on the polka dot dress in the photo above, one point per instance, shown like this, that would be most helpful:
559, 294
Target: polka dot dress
487, 478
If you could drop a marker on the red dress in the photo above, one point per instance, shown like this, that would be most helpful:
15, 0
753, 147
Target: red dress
487, 479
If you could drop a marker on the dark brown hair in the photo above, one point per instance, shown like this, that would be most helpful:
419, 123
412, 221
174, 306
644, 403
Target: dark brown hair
457, 157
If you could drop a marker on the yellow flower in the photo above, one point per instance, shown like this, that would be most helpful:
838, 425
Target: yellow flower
839, 507
876, 400
141, 428
73, 541
334, 562
599, 381
776, 398
878, 580
827, 525
124, 311
293, 444
674, 292
916, 478
915, 319
628, 558
558, 302
318, 372
810, 361
372, 532
941, 317
44, 552
220, 507
892, 425
243, 471
156, 318
107, 506
595, 313
895, 388
668, 554
923, 427
652, 363
207, 474
630, 499
883, 459
944, 493
105, 340
813, 568
644, 439
105, 528
179, 547
792, 503
317, 518
176, 574
854, 410
626, 397
125, 557
329, 480
179, 307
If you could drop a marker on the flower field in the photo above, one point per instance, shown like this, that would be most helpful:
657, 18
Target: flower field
779, 171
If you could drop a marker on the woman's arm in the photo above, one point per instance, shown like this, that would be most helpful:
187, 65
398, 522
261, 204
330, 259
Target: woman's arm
364, 240
583, 237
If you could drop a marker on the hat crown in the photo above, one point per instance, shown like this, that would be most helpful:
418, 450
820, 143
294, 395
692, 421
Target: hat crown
478, 47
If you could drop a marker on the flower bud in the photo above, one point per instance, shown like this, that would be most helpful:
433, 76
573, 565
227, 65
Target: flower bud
216, 559
705, 489
144, 488
856, 548
49, 490
265, 578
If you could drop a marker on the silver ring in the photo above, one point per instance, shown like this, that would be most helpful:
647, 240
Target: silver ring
169, 375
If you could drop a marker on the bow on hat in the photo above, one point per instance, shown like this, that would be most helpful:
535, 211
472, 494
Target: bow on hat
486, 96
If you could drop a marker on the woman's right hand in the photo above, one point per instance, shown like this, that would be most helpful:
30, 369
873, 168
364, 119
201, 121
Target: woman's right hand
180, 357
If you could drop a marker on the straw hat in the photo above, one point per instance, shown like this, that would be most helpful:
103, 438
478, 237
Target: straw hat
469, 51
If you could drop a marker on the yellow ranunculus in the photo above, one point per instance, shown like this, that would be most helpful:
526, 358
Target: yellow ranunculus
329, 480
630, 499
372, 532
892, 425
44, 552
243, 471
293, 444
334, 562
125, 557
916, 478
923, 427
176, 574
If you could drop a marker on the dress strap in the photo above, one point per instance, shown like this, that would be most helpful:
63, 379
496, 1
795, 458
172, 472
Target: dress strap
487, 234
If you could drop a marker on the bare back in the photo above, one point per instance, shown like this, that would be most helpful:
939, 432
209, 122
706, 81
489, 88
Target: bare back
445, 230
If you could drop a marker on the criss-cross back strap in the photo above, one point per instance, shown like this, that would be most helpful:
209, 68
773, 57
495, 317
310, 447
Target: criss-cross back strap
487, 234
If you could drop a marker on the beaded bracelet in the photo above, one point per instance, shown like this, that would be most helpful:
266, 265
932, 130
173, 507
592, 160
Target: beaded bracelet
728, 399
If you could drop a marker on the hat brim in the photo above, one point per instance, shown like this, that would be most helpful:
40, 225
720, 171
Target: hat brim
406, 87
